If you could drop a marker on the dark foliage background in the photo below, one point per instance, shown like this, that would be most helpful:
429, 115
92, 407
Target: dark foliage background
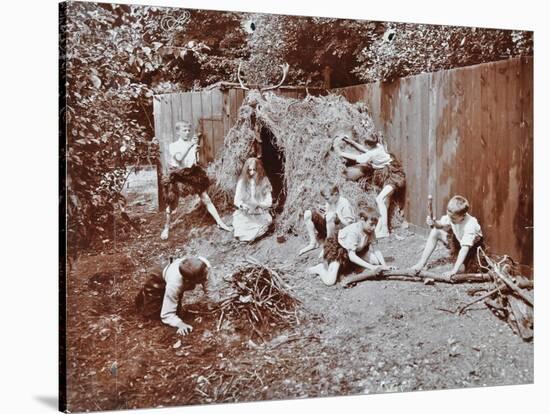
118, 57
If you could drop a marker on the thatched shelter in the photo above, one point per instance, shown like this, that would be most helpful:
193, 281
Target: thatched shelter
294, 139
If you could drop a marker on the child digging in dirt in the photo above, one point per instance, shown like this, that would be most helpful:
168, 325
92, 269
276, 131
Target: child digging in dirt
186, 177
378, 166
349, 247
322, 224
459, 232
164, 287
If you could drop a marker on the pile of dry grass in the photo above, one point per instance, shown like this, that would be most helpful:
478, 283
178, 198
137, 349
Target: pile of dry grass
304, 130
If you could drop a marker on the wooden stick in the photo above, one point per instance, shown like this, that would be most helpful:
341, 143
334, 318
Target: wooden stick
413, 276
479, 299
510, 283
430, 207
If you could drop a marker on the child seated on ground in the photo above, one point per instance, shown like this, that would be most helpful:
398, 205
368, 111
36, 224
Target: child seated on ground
253, 199
379, 167
164, 287
350, 247
459, 232
321, 224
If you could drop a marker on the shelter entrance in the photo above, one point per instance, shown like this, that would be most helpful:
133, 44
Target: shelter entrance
272, 158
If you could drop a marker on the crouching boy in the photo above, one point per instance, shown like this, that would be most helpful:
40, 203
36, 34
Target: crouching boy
459, 232
164, 287
353, 246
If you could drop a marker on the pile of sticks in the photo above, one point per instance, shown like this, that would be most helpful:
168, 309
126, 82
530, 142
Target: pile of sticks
509, 296
261, 298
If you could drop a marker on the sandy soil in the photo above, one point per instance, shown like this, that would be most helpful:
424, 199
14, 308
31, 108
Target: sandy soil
379, 336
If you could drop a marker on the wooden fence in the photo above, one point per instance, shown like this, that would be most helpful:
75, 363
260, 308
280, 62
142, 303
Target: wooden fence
465, 131
211, 112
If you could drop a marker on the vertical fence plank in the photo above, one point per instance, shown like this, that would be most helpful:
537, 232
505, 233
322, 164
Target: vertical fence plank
207, 129
226, 112
490, 121
240, 98
445, 142
218, 132
523, 221
232, 107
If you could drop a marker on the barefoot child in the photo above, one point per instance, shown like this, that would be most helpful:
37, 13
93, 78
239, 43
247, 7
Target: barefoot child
164, 288
383, 170
348, 248
186, 177
322, 224
459, 232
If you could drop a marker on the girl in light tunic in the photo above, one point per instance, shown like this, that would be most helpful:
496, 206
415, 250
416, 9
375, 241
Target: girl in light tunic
253, 200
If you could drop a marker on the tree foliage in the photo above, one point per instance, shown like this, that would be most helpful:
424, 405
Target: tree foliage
117, 57
409, 49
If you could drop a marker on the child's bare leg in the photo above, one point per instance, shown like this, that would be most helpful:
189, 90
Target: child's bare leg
329, 276
312, 235
435, 236
382, 201
354, 173
317, 269
166, 230
213, 212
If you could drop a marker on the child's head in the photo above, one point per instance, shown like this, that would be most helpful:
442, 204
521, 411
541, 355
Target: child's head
369, 217
253, 169
331, 193
457, 208
183, 129
194, 271
373, 139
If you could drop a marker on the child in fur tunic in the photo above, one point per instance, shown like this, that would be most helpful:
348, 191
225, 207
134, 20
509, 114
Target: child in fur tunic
186, 177
355, 244
378, 166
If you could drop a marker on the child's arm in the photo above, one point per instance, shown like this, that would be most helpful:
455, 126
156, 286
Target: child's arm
348, 155
434, 223
360, 262
356, 145
168, 313
267, 201
336, 145
462, 253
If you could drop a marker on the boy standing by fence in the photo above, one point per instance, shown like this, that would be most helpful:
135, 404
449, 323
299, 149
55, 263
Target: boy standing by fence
459, 232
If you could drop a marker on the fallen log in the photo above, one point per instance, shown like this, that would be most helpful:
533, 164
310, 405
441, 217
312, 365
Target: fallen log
414, 276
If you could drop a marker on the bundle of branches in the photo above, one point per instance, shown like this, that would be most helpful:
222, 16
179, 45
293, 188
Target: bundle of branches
510, 297
303, 131
261, 298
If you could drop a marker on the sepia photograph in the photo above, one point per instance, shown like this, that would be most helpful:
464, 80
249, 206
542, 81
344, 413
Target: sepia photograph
261, 206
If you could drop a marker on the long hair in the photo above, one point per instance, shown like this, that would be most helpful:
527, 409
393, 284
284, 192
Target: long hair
259, 178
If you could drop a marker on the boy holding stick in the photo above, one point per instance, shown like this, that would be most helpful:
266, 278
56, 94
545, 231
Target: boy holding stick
459, 232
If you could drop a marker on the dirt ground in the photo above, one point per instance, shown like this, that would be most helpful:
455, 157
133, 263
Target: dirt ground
379, 336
